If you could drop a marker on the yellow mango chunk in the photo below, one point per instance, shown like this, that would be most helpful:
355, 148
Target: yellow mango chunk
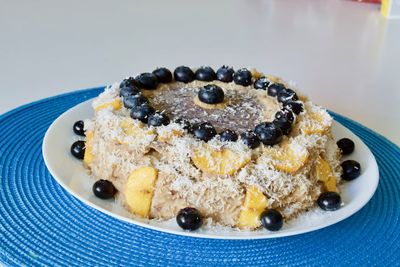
324, 173
131, 129
139, 190
273, 78
286, 158
254, 204
116, 104
316, 125
88, 157
166, 136
256, 74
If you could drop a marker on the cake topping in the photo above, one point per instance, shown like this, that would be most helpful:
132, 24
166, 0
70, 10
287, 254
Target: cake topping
284, 125
228, 136
294, 106
183, 74
128, 91
128, 82
346, 146
147, 81
225, 74
104, 189
78, 149
185, 123
275, 88
268, 133
163, 75
250, 139
286, 114
271, 219
135, 100
351, 169
158, 119
211, 94
242, 77
142, 112
189, 219
204, 131
261, 83
205, 73
329, 201
287, 95
79, 128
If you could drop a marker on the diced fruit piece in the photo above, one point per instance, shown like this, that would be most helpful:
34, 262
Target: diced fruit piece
104, 189
256, 74
78, 149
166, 136
219, 162
289, 157
317, 124
351, 170
138, 130
323, 173
87, 159
254, 204
271, 219
346, 146
139, 190
116, 104
189, 219
329, 201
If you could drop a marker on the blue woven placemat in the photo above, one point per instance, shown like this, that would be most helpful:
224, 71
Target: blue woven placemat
41, 224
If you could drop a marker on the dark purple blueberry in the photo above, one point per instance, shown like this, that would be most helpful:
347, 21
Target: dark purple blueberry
284, 125
250, 139
269, 133
183, 74
78, 149
158, 119
147, 81
346, 146
104, 189
205, 73
242, 77
134, 100
185, 123
275, 88
261, 83
225, 74
351, 170
128, 82
142, 112
163, 75
287, 95
285, 114
228, 136
189, 219
295, 107
271, 219
329, 201
211, 94
204, 131
79, 128
128, 91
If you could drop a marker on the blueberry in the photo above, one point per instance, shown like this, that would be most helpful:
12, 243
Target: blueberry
204, 131
295, 107
163, 75
78, 149
271, 219
142, 113
128, 91
183, 74
285, 114
104, 189
269, 133
242, 77
158, 119
228, 136
128, 82
346, 146
147, 81
79, 128
205, 73
351, 170
189, 219
329, 201
261, 83
225, 74
211, 94
275, 88
185, 123
286, 95
284, 125
250, 139
135, 100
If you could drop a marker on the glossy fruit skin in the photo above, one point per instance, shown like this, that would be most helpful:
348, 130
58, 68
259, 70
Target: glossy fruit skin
142, 113
242, 77
158, 119
329, 201
135, 100
183, 74
295, 107
275, 88
250, 139
261, 83
189, 219
204, 131
271, 220
268, 133
284, 125
211, 94
285, 114
129, 91
205, 73
79, 128
351, 170
104, 189
225, 74
128, 82
78, 149
228, 136
185, 123
147, 81
163, 75
287, 95
346, 146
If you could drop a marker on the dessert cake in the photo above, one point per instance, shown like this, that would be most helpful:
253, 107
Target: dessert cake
239, 149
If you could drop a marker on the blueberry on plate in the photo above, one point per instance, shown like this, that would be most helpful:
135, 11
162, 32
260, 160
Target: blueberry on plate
163, 75
271, 219
329, 201
250, 139
205, 73
284, 125
228, 136
135, 100
142, 112
147, 81
158, 119
242, 77
189, 219
104, 189
128, 82
346, 146
261, 83
78, 149
204, 131
211, 94
79, 128
269, 133
225, 74
287, 95
183, 74
285, 114
185, 123
295, 107
128, 91
275, 88
351, 170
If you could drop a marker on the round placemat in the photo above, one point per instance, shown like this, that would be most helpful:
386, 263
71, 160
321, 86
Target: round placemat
41, 224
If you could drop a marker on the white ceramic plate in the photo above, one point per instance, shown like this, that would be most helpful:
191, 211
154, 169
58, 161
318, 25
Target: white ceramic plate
70, 174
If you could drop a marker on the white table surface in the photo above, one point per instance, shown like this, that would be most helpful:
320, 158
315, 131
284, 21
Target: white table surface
342, 54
